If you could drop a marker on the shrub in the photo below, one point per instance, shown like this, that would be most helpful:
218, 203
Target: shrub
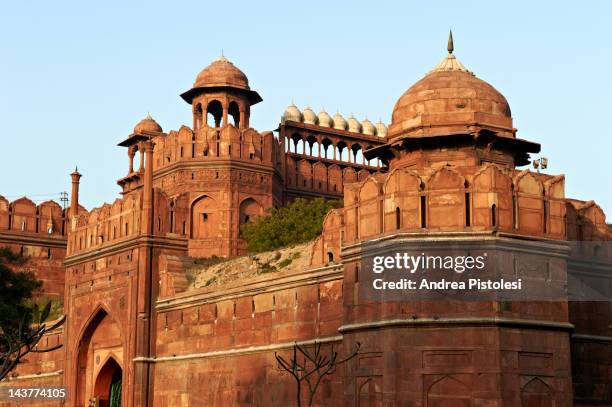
299, 222
284, 263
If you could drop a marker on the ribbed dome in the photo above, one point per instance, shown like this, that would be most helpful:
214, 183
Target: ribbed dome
221, 72
147, 124
381, 129
368, 128
325, 119
450, 100
292, 113
354, 125
309, 116
339, 122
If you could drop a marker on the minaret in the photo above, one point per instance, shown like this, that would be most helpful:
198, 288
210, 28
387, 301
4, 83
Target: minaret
74, 196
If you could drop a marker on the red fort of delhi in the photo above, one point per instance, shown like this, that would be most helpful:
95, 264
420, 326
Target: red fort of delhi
445, 169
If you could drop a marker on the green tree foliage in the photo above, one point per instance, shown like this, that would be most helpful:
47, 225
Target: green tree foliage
21, 318
299, 222
16, 289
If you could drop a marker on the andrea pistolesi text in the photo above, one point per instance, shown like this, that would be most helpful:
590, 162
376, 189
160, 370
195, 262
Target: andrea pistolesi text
422, 264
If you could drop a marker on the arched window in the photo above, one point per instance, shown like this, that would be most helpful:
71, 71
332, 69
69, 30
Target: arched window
468, 217
330, 257
514, 209
295, 143
343, 152
545, 216
171, 217
327, 149
423, 211
214, 113
234, 113
398, 219
311, 142
198, 116
356, 154
493, 215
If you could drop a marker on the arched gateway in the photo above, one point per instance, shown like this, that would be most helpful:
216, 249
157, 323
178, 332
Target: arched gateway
99, 362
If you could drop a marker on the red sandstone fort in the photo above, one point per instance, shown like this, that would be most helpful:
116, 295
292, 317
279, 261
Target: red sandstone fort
444, 169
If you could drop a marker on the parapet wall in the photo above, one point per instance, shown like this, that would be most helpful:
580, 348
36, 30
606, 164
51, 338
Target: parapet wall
224, 340
39, 233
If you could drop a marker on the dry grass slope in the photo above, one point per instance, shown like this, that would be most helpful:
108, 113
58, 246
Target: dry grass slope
287, 259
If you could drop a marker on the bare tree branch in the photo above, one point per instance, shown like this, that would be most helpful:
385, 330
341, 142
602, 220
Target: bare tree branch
25, 340
313, 369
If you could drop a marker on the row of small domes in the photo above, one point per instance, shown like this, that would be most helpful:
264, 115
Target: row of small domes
323, 119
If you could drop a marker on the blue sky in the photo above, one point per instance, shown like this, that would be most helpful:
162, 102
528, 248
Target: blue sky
76, 76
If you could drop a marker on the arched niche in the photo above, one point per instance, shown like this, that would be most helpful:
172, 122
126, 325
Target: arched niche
204, 218
448, 391
250, 209
402, 190
536, 393
370, 218
446, 200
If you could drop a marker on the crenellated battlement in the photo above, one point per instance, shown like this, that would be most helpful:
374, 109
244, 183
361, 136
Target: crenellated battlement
107, 223
23, 216
39, 233
209, 143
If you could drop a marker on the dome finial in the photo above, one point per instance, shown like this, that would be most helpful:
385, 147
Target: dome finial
222, 57
450, 47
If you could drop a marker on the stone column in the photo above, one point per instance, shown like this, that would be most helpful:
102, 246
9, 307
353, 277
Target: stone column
131, 154
243, 124
147, 198
141, 169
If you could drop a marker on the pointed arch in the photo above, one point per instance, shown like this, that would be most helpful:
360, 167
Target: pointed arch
492, 203
214, 113
249, 210
536, 393
233, 112
446, 178
100, 324
526, 182
204, 217
445, 205
449, 391
370, 214
108, 376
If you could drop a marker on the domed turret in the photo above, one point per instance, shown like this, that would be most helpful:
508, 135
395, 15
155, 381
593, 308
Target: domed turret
309, 116
325, 119
221, 75
147, 124
353, 125
292, 113
339, 122
450, 100
221, 72
381, 129
368, 128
